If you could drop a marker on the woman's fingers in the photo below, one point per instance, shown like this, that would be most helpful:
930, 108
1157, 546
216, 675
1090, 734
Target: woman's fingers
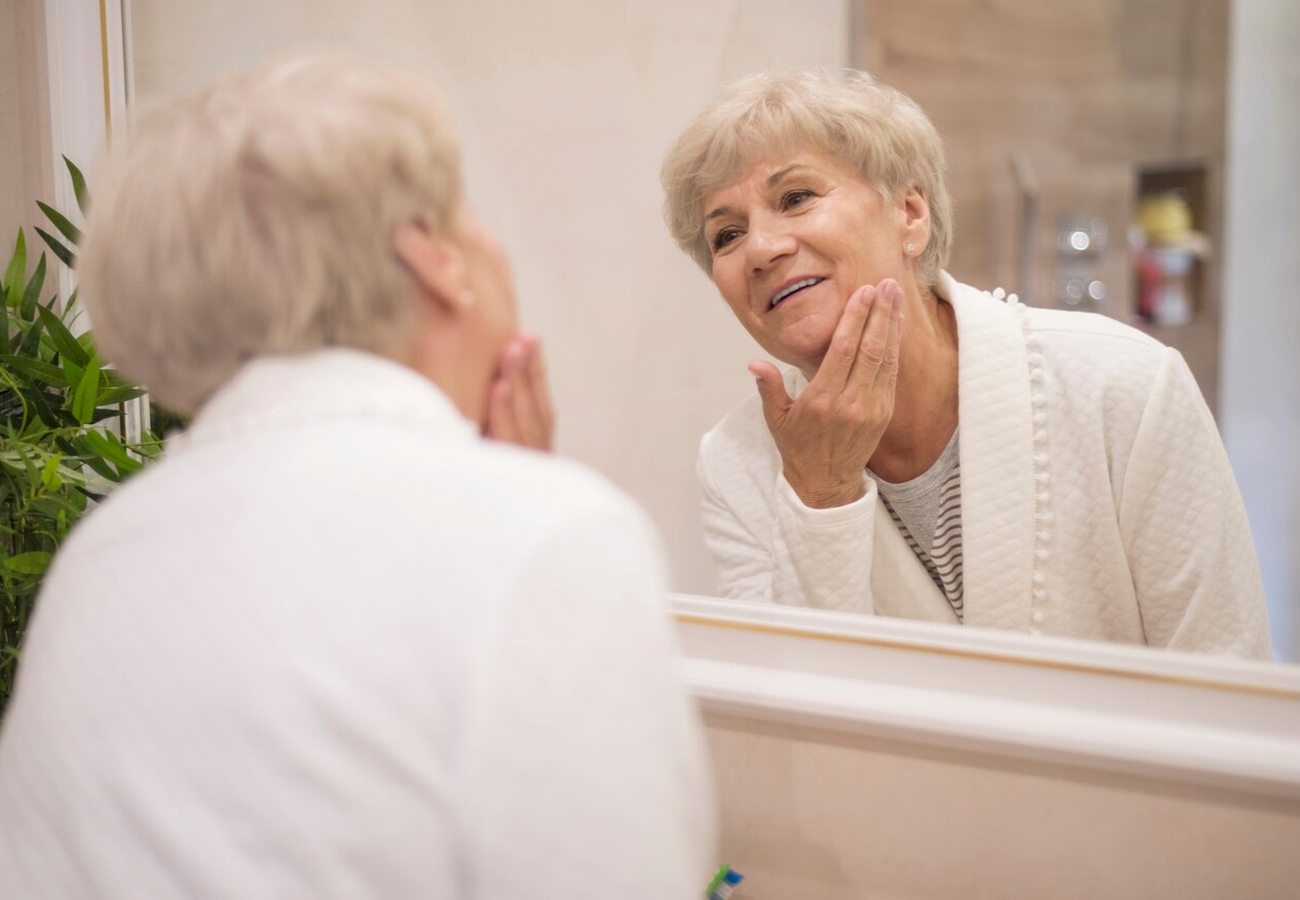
894, 341
826, 437
771, 390
878, 347
501, 425
519, 403
843, 352
541, 390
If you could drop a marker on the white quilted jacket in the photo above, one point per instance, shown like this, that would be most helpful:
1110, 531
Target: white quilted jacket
1097, 499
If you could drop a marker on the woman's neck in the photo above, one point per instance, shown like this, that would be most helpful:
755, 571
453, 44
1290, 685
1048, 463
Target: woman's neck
925, 398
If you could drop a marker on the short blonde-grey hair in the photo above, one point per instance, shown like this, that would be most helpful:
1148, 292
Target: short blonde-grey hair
875, 130
257, 218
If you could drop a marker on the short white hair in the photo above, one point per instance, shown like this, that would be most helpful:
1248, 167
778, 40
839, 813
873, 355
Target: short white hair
258, 217
873, 129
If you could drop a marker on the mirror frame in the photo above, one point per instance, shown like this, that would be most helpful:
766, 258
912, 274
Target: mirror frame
1175, 717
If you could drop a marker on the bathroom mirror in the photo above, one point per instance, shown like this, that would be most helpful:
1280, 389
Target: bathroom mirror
1058, 124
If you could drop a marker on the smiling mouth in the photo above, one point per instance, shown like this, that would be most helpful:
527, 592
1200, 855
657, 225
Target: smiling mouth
793, 289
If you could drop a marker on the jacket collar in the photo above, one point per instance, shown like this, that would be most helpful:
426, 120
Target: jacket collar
995, 409
330, 384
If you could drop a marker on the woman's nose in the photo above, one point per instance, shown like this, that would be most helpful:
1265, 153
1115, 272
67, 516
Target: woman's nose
767, 242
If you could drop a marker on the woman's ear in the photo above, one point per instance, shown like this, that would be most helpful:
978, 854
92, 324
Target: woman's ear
436, 263
916, 219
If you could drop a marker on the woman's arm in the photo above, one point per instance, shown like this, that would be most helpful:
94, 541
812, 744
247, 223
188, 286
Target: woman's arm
772, 548
1184, 528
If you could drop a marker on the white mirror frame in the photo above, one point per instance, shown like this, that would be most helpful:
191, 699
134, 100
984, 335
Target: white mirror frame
1170, 716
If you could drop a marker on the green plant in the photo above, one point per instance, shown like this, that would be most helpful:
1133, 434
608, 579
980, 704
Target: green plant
60, 415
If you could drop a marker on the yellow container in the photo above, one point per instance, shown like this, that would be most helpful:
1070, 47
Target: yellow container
1166, 218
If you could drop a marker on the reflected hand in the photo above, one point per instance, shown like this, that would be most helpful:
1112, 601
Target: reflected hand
519, 402
826, 437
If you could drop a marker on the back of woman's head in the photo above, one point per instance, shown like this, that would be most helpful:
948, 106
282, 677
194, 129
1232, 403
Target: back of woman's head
257, 218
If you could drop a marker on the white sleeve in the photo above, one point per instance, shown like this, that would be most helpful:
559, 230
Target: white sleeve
1185, 530
789, 553
585, 771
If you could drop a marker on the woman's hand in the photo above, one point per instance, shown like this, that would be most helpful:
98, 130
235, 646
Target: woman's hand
519, 401
827, 436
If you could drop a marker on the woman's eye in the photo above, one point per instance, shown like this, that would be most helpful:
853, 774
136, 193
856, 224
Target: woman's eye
724, 237
792, 199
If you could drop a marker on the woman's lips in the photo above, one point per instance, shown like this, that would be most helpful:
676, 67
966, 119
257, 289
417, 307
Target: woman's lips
790, 290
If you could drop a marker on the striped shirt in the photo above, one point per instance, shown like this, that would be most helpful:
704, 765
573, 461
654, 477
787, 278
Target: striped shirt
927, 512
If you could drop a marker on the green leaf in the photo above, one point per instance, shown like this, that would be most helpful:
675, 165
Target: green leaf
96, 462
29, 465
113, 395
63, 253
31, 341
45, 410
61, 222
33, 563
50, 473
111, 449
72, 373
78, 187
6, 344
63, 339
35, 368
104, 413
31, 296
83, 401
13, 282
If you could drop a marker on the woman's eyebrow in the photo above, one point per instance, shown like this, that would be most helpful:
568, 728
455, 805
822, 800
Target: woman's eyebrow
784, 171
772, 179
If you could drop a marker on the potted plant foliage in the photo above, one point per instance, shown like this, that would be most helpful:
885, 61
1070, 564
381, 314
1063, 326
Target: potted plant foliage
61, 414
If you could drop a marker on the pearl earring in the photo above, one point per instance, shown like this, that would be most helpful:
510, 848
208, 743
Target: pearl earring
910, 247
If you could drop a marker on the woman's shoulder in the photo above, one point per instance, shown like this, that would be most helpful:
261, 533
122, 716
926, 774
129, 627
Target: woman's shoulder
542, 481
1091, 328
1095, 348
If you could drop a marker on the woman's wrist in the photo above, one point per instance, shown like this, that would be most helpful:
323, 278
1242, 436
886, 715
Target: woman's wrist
826, 495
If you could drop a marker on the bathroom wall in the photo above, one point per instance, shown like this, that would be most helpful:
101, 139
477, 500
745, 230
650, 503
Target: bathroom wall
565, 109
26, 157
1260, 413
1090, 94
822, 815
11, 138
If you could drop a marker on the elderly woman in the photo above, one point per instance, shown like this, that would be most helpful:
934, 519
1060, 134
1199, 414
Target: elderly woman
935, 452
339, 642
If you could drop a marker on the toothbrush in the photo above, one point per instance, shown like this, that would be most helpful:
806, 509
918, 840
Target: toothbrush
723, 884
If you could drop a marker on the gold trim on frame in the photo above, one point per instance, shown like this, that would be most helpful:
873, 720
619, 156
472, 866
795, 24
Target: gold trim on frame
103, 58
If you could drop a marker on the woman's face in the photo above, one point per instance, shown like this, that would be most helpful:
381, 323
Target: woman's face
489, 276
792, 240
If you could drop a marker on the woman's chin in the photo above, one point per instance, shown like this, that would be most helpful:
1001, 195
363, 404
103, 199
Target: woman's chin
806, 354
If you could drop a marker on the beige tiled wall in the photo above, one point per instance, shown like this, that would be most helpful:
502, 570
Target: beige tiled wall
26, 158
1089, 93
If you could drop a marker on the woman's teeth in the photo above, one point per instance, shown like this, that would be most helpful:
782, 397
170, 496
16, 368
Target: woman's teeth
797, 286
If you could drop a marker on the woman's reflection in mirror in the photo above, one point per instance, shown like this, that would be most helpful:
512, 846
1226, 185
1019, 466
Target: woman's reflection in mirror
932, 450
